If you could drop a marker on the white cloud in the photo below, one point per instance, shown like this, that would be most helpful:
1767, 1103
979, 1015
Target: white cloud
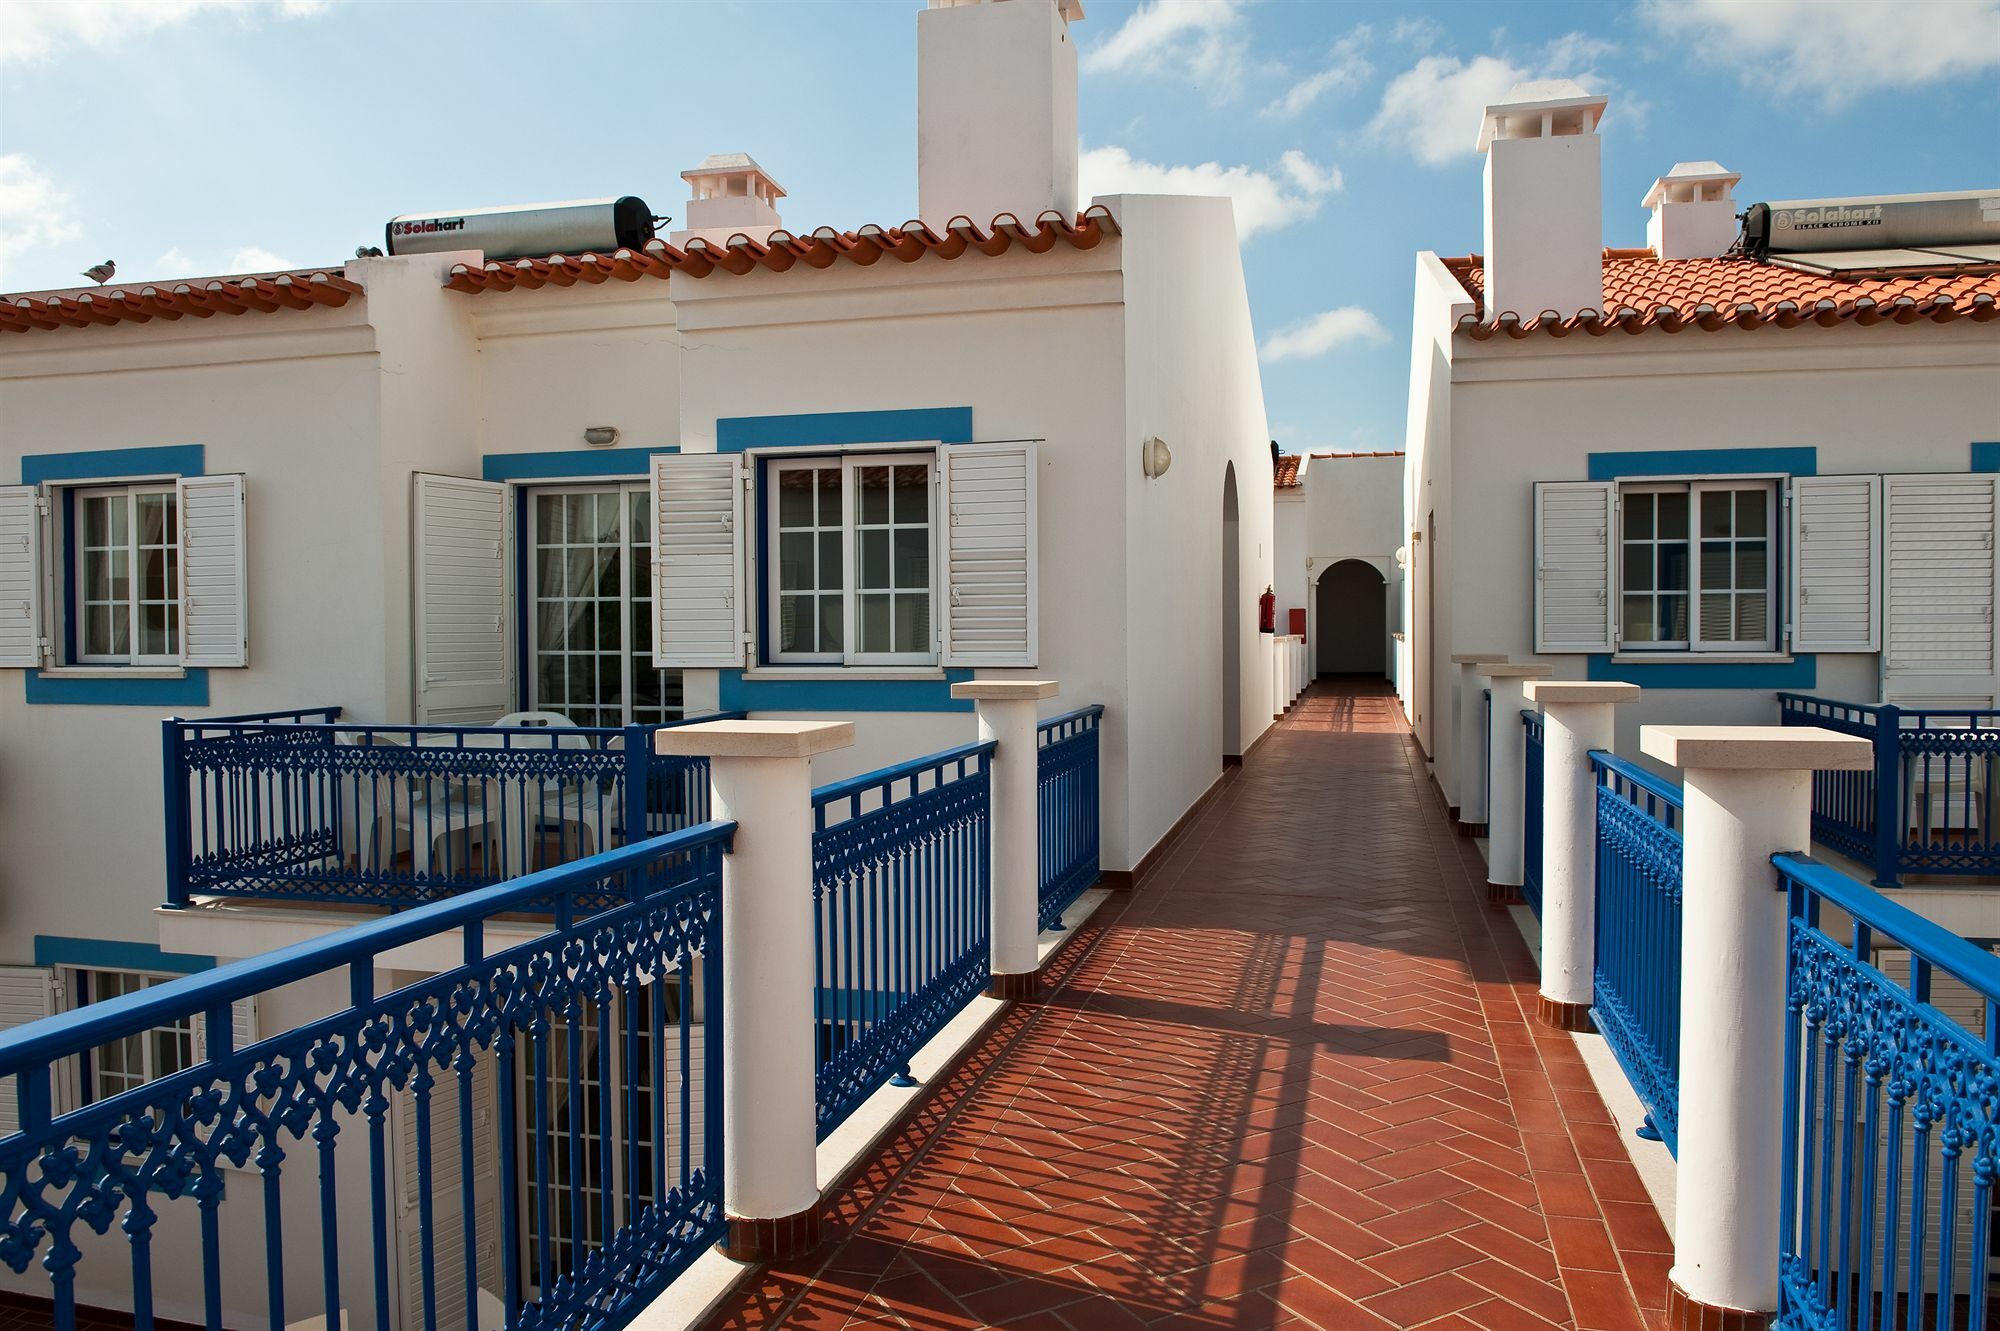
1838, 51
1419, 32
177, 262
1265, 200
34, 212
35, 30
1433, 108
1199, 40
1346, 68
1320, 334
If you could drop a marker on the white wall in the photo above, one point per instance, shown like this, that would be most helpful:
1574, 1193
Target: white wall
1288, 543
1354, 510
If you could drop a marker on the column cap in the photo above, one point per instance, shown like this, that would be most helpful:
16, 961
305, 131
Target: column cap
1757, 748
1579, 690
753, 739
1519, 670
1005, 690
1477, 658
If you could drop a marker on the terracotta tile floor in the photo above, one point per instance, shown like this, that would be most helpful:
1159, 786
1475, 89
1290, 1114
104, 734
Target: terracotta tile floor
1291, 1081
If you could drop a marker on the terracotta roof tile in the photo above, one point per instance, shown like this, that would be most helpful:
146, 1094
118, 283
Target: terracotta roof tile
1286, 474
783, 251
201, 297
1642, 292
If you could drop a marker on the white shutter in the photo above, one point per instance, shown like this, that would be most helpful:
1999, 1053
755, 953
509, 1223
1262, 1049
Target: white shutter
989, 554
215, 601
698, 534
242, 1027
1836, 564
463, 596
1938, 541
21, 631
27, 993
1574, 604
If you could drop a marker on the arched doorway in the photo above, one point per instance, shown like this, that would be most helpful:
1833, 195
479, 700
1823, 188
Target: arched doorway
1232, 623
1351, 607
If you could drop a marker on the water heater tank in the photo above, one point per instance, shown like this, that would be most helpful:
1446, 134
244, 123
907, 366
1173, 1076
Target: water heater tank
1890, 221
524, 230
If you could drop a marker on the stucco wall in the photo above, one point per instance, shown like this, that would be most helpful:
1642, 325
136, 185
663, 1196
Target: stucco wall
1354, 510
1288, 543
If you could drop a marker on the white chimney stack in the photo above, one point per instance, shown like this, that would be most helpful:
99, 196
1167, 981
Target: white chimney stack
996, 109
1694, 211
1544, 201
729, 195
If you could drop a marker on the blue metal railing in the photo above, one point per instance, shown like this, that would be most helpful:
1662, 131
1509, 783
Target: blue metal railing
485, 1091
1929, 803
1068, 809
1636, 999
1531, 812
902, 878
298, 806
1892, 1116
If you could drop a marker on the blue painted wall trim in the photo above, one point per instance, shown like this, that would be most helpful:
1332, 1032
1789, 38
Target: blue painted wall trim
842, 695
111, 954
570, 462
1800, 673
1704, 462
1986, 457
832, 429
103, 463
97, 465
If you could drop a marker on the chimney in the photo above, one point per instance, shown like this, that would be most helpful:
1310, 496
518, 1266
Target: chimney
1544, 201
996, 109
1694, 211
729, 195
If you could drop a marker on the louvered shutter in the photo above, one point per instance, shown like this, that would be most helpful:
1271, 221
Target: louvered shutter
989, 554
1836, 564
698, 532
243, 1029
27, 993
463, 597
215, 601
21, 634
1939, 584
1574, 604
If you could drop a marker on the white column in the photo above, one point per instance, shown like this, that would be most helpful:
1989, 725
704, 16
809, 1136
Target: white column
1576, 718
760, 775
1509, 747
1465, 773
1006, 709
1747, 795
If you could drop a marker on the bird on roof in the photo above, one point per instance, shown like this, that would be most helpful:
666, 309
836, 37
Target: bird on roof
100, 273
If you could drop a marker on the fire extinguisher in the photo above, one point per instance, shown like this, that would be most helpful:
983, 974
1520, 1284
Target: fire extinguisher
1267, 612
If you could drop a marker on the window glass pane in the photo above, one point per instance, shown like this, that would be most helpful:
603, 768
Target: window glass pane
913, 623
913, 494
795, 561
1751, 564
1638, 568
97, 630
1715, 616
96, 575
1673, 566
1673, 516
873, 624
1638, 623
1752, 622
548, 517
795, 624
874, 569
1673, 620
872, 502
578, 518
152, 630
121, 580
121, 629
913, 557
829, 497
1750, 513
1715, 567
830, 628
795, 498
829, 561
1638, 517
117, 534
1715, 513
96, 519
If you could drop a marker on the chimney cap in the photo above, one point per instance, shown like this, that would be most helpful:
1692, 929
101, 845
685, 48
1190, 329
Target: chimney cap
1690, 173
732, 164
1542, 95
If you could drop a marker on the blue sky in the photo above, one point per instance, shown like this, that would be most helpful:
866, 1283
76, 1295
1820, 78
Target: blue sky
196, 136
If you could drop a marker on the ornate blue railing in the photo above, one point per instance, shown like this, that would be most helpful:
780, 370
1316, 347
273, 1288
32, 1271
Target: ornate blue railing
1929, 803
298, 806
546, 1116
1068, 810
1531, 812
1637, 989
1892, 1114
902, 873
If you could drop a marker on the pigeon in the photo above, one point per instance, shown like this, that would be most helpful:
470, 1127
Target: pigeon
101, 273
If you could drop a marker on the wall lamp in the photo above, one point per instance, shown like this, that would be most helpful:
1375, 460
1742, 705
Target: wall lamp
1154, 458
600, 436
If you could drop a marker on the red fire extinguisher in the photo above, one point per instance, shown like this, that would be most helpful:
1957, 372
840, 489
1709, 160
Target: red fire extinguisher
1267, 612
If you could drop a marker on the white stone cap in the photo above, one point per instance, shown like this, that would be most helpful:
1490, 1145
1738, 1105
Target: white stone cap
1477, 658
1579, 690
1518, 670
1691, 173
1757, 748
730, 164
753, 739
1005, 690
1554, 97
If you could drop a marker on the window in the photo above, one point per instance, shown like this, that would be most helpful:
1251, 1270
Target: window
591, 623
1695, 566
136, 1059
127, 548
850, 570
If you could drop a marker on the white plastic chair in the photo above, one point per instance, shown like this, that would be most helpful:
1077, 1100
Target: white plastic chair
565, 811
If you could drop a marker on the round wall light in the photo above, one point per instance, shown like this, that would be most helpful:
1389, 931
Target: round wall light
1155, 457
600, 436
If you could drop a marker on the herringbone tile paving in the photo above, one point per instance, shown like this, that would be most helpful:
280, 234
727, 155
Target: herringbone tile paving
1292, 1081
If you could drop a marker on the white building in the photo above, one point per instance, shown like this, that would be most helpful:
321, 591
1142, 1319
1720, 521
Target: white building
437, 488
1827, 422
1339, 583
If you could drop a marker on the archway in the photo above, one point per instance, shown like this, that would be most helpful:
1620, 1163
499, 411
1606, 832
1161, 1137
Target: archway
1232, 623
1350, 606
